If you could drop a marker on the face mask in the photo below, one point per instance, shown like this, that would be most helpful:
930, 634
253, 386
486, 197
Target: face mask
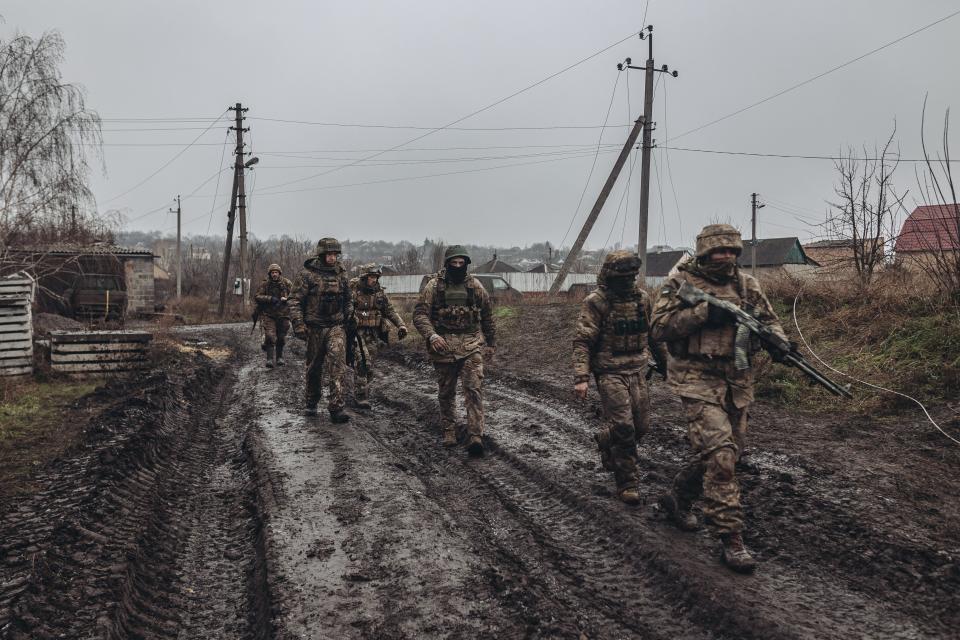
457, 274
718, 270
621, 284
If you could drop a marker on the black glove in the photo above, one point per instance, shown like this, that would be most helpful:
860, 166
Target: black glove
718, 316
274, 300
779, 355
401, 332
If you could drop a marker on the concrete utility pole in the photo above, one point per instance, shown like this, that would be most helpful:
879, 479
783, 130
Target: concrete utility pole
754, 205
179, 258
232, 213
647, 145
595, 212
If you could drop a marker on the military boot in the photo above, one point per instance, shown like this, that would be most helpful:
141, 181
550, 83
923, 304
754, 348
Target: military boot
339, 416
602, 439
310, 410
629, 495
360, 400
678, 512
475, 446
735, 554
268, 350
449, 437
280, 361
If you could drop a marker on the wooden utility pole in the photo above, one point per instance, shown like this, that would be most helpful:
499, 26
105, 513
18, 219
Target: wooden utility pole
232, 213
597, 206
646, 146
754, 205
179, 257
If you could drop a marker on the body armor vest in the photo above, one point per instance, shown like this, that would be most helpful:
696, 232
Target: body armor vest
625, 328
326, 292
455, 308
716, 341
366, 308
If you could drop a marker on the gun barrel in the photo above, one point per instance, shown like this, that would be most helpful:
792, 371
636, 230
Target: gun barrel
800, 363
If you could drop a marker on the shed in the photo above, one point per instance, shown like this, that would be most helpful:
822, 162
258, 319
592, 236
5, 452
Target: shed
495, 266
778, 256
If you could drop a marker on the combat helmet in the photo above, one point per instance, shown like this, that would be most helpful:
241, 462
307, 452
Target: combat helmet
718, 236
328, 245
456, 251
371, 269
275, 267
619, 263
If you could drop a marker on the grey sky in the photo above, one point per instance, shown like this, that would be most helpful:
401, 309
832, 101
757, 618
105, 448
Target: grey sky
428, 63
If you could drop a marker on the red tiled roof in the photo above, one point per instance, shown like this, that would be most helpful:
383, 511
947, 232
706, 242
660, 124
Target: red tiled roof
931, 228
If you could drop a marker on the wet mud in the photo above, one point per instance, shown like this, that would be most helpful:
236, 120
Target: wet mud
206, 505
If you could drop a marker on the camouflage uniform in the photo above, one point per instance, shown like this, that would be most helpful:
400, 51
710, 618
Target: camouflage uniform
372, 310
612, 343
274, 315
715, 394
320, 306
460, 313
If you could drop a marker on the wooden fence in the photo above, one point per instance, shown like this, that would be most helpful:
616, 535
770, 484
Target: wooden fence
98, 351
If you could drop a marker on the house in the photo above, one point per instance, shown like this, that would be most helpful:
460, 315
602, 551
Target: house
778, 257
542, 267
928, 233
660, 263
837, 257
495, 266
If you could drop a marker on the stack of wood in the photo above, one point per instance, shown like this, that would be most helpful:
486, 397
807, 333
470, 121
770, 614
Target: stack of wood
98, 351
16, 325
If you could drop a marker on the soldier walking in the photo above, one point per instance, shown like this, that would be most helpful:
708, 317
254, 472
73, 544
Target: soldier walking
612, 343
454, 316
271, 299
372, 310
320, 307
715, 393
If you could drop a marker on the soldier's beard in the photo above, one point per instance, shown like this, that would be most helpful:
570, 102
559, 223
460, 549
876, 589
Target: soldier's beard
718, 270
457, 274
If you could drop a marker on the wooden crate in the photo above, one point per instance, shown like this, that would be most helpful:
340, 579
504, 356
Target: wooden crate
101, 352
16, 335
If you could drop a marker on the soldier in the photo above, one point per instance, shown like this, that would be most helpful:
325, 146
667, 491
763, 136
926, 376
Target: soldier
715, 394
373, 311
274, 315
320, 307
612, 343
454, 316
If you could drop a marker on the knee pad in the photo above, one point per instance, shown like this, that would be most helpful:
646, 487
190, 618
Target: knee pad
721, 463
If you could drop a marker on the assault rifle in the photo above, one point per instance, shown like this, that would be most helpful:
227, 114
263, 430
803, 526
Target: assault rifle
747, 326
355, 344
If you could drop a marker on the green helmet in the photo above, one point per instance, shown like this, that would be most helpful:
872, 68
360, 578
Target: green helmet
456, 251
328, 245
372, 269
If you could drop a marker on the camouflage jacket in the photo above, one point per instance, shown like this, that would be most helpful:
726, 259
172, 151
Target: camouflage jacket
612, 334
320, 296
701, 364
461, 314
373, 308
270, 291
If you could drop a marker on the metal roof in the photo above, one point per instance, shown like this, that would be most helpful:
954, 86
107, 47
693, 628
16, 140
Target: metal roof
84, 250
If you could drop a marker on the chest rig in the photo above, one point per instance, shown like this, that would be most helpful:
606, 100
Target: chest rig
625, 327
279, 289
455, 308
326, 292
718, 341
366, 307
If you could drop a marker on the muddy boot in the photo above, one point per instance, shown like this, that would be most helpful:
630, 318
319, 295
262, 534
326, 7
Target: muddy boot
268, 350
735, 555
602, 439
311, 410
362, 404
280, 361
678, 513
339, 416
449, 437
475, 446
629, 495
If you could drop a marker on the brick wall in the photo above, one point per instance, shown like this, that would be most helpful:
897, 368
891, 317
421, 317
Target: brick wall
140, 285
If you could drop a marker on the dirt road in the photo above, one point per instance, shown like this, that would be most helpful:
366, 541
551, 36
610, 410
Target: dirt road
206, 506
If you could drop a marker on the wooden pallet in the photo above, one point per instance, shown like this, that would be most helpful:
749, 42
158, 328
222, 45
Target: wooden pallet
16, 333
98, 352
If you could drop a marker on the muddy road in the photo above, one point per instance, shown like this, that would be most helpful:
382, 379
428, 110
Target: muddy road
205, 506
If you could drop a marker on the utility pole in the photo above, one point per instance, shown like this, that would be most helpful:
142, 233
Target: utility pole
179, 259
647, 145
232, 213
754, 205
242, 206
598, 205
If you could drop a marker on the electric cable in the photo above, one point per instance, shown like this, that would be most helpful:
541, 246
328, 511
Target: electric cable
789, 156
213, 205
666, 134
858, 380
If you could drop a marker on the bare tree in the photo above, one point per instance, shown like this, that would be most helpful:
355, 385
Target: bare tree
46, 132
940, 237
408, 261
865, 213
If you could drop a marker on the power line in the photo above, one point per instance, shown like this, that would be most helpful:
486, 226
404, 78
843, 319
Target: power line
666, 153
816, 77
419, 161
168, 162
292, 154
791, 156
216, 190
442, 127
470, 115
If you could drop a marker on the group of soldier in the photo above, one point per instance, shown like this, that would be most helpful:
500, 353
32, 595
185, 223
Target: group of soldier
622, 336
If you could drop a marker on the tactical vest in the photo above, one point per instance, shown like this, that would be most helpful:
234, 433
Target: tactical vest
366, 307
717, 341
625, 327
456, 308
326, 288
279, 289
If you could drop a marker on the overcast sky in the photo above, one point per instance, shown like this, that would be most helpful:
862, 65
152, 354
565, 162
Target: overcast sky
427, 64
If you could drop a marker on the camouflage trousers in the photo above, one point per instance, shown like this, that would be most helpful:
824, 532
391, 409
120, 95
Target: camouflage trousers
274, 331
716, 433
470, 371
326, 346
626, 405
363, 375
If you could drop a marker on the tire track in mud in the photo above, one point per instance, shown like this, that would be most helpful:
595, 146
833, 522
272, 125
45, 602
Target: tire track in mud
150, 531
777, 602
